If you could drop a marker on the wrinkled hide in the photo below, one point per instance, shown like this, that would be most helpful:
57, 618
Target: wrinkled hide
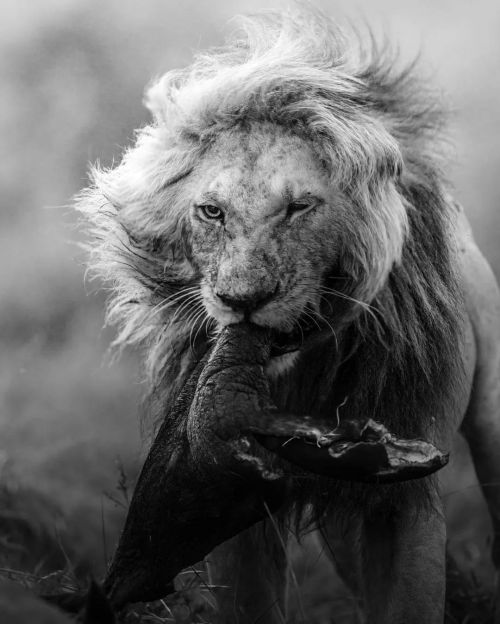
206, 477
203, 481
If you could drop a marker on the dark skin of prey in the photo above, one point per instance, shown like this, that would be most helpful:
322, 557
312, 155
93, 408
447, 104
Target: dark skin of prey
216, 466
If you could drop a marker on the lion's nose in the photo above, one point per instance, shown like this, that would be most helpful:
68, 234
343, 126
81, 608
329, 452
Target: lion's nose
247, 303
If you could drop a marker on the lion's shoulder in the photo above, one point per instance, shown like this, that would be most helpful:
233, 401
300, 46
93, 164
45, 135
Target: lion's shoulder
480, 288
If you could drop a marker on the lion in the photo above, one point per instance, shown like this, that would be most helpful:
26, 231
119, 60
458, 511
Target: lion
293, 179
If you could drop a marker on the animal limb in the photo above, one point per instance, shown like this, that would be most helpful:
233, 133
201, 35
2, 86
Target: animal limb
202, 482
206, 478
403, 564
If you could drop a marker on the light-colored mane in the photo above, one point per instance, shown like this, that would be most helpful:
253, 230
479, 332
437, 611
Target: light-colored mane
375, 130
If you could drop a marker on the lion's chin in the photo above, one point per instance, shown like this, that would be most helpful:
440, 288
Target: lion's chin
281, 364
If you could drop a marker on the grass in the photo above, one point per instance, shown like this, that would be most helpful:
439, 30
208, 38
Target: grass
46, 562
468, 601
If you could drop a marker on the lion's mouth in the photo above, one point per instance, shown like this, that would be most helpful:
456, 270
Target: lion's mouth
289, 342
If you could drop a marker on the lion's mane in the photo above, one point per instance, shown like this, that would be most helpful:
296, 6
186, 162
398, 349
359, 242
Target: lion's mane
377, 129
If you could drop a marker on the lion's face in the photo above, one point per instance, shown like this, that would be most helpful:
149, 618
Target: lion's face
263, 235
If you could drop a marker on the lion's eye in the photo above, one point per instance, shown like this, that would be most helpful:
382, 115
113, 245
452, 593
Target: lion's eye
210, 212
298, 207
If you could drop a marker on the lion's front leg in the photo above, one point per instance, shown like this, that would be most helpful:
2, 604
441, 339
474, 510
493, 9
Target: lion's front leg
404, 566
248, 576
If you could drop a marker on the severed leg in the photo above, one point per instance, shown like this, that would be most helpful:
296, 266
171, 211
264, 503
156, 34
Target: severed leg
203, 482
206, 477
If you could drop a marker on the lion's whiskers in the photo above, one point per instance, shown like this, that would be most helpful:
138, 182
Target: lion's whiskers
193, 300
299, 326
373, 312
207, 321
194, 322
313, 314
172, 299
192, 312
307, 313
338, 293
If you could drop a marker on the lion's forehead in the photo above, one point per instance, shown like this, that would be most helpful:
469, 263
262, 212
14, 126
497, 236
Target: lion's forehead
253, 173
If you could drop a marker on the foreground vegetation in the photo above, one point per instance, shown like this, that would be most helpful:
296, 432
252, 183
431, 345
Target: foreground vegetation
41, 558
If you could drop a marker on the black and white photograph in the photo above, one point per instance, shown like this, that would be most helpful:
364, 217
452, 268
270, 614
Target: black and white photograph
249, 312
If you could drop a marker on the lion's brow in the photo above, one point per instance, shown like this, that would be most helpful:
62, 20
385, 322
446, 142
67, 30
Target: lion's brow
213, 196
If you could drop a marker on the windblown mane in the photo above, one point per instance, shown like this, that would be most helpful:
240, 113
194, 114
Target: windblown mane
377, 130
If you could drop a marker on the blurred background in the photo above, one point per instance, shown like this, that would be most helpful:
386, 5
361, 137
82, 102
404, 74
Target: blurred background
72, 78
